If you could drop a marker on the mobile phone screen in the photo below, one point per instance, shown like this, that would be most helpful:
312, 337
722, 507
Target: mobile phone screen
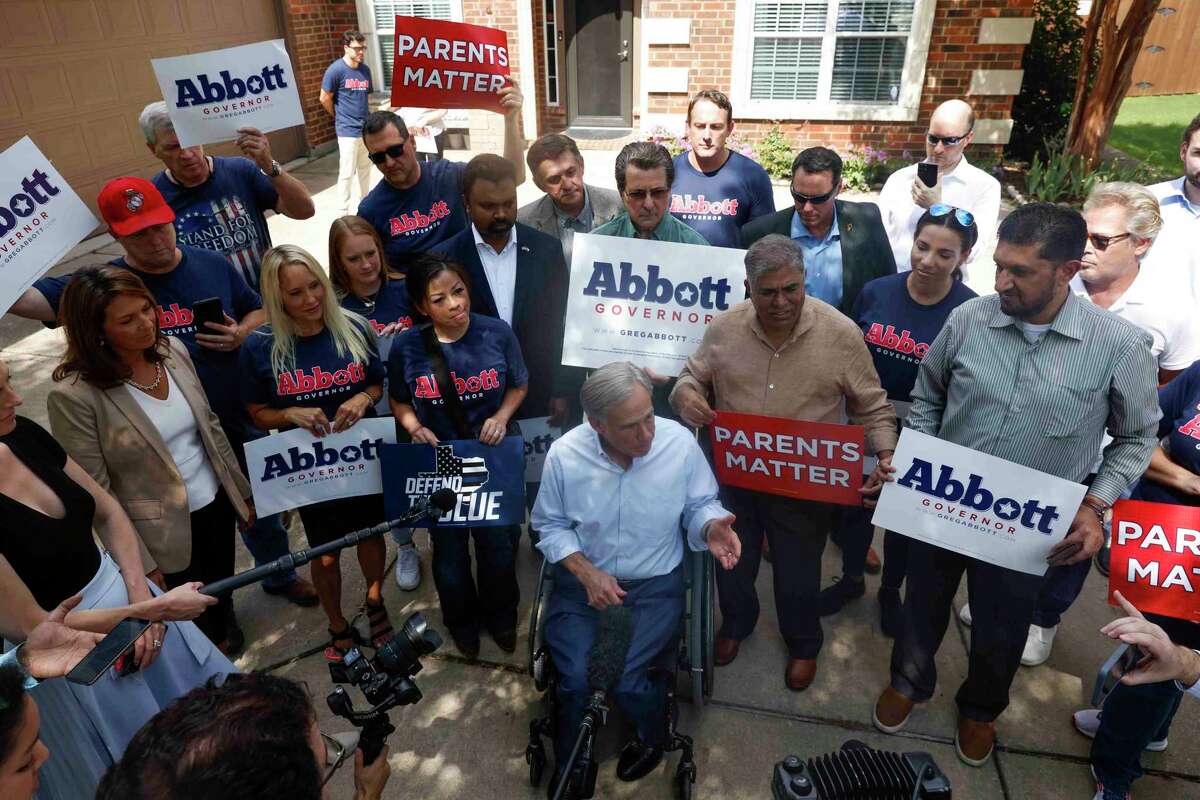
208, 310
928, 173
105, 654
1123, 659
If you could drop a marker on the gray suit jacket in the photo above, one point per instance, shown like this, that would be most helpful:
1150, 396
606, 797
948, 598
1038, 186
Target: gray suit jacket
108, 434
539, 214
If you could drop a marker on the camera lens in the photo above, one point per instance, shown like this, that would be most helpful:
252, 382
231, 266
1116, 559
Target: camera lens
415, 639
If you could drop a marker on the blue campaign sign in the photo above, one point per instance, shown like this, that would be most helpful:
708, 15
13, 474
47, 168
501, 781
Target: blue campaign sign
490, 481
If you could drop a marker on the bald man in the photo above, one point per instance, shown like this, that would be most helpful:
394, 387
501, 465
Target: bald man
905, 197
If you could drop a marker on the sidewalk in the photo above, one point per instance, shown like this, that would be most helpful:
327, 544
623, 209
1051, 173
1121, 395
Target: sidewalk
467, 737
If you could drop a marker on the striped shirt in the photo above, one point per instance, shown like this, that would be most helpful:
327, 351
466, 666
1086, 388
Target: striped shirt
1045, 405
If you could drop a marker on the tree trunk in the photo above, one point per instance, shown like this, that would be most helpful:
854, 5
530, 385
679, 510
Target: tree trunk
1103, 82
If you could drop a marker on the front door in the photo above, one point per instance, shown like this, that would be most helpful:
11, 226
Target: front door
599, 63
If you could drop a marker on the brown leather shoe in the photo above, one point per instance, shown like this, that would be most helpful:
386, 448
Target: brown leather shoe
891, 711
300, 592
725, 650
800, 673
873, 565
974, 741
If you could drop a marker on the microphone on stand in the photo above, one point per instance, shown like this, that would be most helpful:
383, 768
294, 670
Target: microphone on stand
438, 503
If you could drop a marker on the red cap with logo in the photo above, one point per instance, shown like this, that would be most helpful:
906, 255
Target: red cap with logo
129, 205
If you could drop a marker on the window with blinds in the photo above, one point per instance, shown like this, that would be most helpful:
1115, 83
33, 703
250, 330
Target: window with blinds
836, 51
385, 13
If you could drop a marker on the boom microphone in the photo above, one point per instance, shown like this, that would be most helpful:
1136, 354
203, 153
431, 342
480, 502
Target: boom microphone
444, 499
606, 659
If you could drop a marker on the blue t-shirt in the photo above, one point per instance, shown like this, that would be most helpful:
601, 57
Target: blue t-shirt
1180, 423
391, 305
199, 275
417, 219
320, 378
717, 204
225, 214
350, 87
484, 363
899, 330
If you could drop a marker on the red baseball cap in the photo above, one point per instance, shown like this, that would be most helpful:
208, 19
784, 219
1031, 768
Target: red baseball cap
130, 204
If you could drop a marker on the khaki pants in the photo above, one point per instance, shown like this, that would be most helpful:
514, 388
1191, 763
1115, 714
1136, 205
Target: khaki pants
353, 168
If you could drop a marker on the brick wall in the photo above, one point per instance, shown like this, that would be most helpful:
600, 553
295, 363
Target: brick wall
313, 30
550, 118
487, 127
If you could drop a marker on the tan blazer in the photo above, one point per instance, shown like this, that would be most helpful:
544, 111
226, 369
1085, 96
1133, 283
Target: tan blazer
108, 434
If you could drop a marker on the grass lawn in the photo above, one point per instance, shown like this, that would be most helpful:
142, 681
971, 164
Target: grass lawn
1148, 128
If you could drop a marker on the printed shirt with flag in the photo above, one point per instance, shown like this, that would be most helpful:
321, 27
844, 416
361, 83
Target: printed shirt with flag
472, 469
226, 213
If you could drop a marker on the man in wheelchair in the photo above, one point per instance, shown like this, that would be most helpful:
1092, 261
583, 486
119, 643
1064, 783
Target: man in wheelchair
615, 496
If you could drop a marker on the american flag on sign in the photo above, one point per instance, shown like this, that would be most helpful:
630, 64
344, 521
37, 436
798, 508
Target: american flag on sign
473, 471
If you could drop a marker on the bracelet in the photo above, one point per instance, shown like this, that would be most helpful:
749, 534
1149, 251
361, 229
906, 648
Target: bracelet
1097, 509
370, 400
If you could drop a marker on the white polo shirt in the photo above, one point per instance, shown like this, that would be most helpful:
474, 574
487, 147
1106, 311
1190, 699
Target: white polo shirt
1166, 315
967, 187
1175, 256
501, 271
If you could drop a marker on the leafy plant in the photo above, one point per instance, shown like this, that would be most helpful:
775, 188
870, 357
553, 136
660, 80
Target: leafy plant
1060, 177
774, 153
863, 170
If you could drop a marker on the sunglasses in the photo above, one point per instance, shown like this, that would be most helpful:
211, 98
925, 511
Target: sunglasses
815, 199
961, 215
395, 151
948, 141
1101, 243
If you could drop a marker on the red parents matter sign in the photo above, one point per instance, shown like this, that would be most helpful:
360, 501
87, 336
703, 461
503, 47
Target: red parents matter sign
806, 460
1155, 559
448, 64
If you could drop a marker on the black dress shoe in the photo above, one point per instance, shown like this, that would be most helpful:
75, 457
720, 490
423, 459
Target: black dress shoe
637, 760
1102, 558
506, 640
467, 645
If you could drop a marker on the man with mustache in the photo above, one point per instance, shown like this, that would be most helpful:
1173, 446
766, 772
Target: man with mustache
645, 172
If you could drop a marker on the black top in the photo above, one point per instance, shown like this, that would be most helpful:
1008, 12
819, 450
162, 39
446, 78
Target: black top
54, 557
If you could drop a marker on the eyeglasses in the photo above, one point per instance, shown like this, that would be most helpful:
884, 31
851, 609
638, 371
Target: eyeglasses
948, 141
395, 151
641, 194
1101, 243
358, 49
815, 199
335, 755
961, 215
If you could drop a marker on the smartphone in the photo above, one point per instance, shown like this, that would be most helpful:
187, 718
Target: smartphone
111, 648
208, 310
928, 173
1123, 659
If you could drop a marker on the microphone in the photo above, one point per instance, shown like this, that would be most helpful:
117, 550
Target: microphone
606, 659
444, 499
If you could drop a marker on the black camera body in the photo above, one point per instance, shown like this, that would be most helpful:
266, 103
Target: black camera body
386, 681
859, 771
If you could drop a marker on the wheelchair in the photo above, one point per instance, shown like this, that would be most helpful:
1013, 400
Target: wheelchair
687, 669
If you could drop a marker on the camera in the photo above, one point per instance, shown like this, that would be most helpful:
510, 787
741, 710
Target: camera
860, 771
386, 681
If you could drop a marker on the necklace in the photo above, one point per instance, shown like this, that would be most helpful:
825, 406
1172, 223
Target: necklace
148, 387
369, 303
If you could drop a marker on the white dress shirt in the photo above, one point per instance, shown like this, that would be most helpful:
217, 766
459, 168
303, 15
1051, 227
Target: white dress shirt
1165, 314
501, 271
967, 187
627, 522
1175, 256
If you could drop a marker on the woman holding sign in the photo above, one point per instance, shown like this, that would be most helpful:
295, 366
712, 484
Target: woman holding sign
128, 406
307, 338
900, 316
366, 287
430, 369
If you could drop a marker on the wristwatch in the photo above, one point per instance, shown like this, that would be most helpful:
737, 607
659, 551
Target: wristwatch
276, 170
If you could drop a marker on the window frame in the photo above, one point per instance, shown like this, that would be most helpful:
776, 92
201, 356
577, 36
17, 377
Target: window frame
912, 79
366, 16
550, 42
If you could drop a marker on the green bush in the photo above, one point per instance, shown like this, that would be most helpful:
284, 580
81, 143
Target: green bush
775, 154
1060, 177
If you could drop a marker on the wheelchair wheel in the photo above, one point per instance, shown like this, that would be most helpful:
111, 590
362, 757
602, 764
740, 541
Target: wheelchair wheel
537, 611
536, 756
708, 633
685, 780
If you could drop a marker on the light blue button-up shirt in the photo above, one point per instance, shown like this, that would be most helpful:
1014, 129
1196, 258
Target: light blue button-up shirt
822, 260
627, 522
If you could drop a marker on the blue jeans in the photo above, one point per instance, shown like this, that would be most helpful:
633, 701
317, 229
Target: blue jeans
1132, 717
1059, 590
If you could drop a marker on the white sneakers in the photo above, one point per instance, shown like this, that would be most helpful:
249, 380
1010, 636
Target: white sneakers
1037, 645
408, 567
1087, 722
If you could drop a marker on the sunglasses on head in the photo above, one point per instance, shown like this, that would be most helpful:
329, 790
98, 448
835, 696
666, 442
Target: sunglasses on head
961, 215
948, 141
815, 199
1101, 242
395, 151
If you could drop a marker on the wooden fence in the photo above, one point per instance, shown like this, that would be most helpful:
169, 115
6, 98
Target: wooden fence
1170, 59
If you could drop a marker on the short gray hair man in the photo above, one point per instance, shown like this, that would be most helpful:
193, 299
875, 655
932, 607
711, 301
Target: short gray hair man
610, 385
154, 119
771, 253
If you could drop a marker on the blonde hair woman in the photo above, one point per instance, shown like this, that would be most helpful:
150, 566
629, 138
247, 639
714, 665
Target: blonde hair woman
308, 333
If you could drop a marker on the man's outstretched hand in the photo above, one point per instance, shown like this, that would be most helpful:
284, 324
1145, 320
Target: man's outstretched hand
723, 541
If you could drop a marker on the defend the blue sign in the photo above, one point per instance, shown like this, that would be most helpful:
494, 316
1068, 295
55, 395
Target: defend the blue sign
489, 481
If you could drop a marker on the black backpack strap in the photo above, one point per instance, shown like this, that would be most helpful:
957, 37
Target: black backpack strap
441, 374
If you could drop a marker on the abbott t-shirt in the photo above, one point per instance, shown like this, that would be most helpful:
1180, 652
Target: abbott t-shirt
417, 219
899, 330
226, 213
350, 87
717, 204
1180, 423
319, 377
484, 363
200, 274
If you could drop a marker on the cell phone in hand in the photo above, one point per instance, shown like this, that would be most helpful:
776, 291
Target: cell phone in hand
208, 310
1123, 659
928, 173
111, 648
